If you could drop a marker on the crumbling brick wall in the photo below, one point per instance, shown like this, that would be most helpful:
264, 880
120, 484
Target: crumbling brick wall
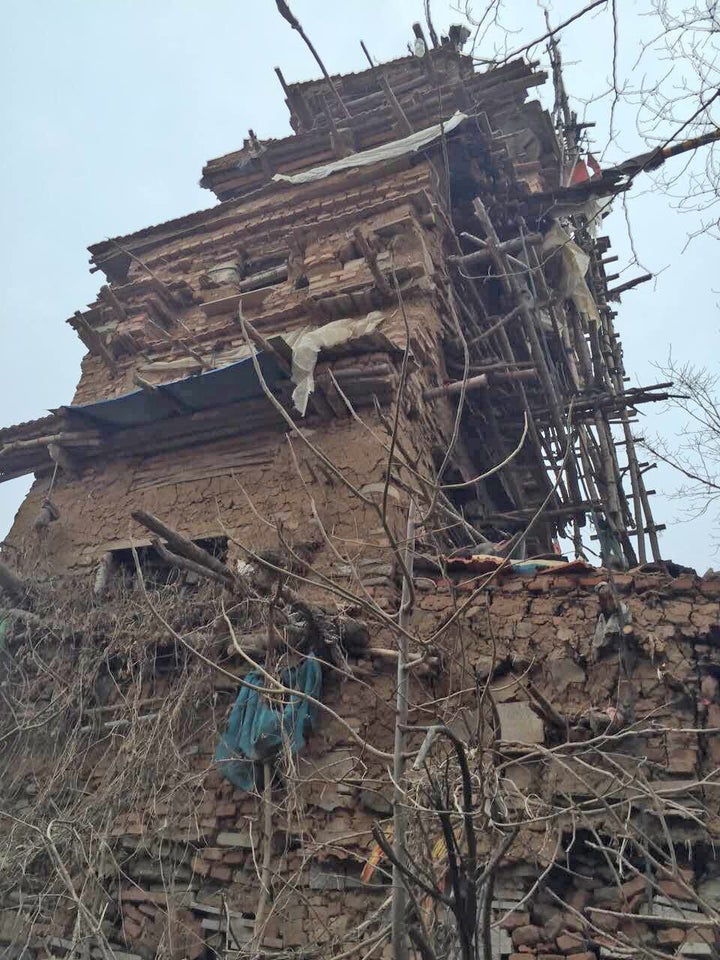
187, 847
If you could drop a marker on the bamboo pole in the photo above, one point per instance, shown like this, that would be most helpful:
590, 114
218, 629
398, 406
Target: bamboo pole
475, 383
295, 102
399, 896
523, 298
485, 255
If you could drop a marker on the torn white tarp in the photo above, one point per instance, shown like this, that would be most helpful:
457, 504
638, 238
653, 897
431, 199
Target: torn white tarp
307, 347
575, 263
388, 151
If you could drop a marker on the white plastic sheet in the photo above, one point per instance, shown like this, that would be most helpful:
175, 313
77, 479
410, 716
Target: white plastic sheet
575, 263
307, 347
387, 151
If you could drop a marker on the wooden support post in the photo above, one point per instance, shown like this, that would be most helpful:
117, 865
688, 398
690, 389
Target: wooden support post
184, 547
108, 295
317, 400
485, 255
377, 72
264, 279
342, 141
162, 316
12, 584
296, 102
371, 260
524, 300
261, 154
94, 342
178, 341
103, 574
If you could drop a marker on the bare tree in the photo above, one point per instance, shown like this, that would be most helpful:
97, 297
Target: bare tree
683, 101
694, 452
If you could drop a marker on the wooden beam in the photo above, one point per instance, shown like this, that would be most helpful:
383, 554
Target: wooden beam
486, 254
296, 102
371, 260
108, 295
60, 456
162, 395
400, 115
614, 293
183, 546
477, 383
183, 563
261, 155
94, 342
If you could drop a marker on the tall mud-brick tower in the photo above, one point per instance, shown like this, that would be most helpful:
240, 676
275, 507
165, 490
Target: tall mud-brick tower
289, 652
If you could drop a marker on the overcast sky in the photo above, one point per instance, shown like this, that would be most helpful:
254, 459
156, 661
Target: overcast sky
112, 108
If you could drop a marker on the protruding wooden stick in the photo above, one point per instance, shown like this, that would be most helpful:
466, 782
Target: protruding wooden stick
371, 260
287, 14
296, 102
184, 564
614, 292
476, 383
93, 341
108, 295
185, 547
392, 100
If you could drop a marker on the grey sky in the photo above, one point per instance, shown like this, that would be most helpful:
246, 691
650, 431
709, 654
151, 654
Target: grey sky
111, 109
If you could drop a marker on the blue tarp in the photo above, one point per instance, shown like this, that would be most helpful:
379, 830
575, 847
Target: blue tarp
258, 727
230, 384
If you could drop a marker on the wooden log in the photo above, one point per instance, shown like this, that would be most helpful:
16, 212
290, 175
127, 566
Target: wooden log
178, 341
394, 104
60, 456
103, 573
485, 255
151, 389
183, 546
371, 260
108, 295
265, 278
476, 383
12, 584
67, 439
261, 154
94, 342
296, 102
614, 293
184, 564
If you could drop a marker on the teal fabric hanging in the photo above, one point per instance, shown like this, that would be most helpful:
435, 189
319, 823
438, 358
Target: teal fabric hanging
258, 727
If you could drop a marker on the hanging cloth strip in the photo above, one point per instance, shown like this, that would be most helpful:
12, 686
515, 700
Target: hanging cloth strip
258, 727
